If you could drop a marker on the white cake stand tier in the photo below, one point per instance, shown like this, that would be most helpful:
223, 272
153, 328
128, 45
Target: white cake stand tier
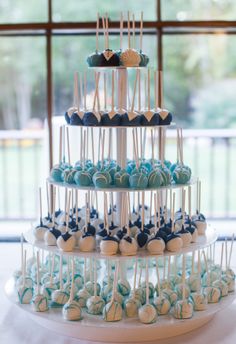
202, 241
94, 328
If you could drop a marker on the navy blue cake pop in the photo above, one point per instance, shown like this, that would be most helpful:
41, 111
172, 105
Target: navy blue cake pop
109, 58
144, 59
165, 117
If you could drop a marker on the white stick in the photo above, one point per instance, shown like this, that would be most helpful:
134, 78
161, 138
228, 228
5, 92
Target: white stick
134, 92
85, 270
68, 144
121, 29
128, 30
95, 277
97, 31
107, 31
85, 92
115, 282
173, 213
24, 268
38, 266
133, 17
22, 251
199, 199
148, 85
60, 145
183, 276
68, 211
40, 205
72, 281
158, 278
143, 200
231, 250
135, 273
189, 202
147, 283
141, 32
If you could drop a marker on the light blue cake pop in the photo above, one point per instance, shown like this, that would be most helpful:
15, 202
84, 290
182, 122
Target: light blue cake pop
121, 179
138, 180
56, 173
83, 178
155, 178
102, 179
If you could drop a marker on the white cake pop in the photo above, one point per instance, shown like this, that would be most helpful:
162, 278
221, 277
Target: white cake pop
95, 303
71, 310
147, 313
24, 291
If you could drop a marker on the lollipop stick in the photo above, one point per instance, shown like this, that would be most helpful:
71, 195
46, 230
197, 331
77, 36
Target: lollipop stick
147, 283
60, 145
68, 144
134, 92
158, 278
24, 267
231, 250
72, 281
143, 200
121, 30
135, 273
22, 252
141, 32
183, 276
97, 30
38, 266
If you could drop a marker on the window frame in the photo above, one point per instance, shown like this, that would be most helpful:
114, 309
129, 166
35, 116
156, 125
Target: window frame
159, 28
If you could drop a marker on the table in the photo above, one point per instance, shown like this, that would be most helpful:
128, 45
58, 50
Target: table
17, 328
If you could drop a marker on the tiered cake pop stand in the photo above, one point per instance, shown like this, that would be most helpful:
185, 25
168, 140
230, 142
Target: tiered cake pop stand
94, 328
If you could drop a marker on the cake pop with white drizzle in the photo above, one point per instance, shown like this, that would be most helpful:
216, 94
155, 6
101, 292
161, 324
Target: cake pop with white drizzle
183, 309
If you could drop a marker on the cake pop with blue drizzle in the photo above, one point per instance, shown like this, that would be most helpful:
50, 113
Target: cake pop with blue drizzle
71, 310
102, 178
199, 300
132, 304
24, 291
113, 309
52, 234
60, 296
199, 219
185, 235
93, 117
66, 242
51, 285
147, 313
95, 303
39, 301
111, 118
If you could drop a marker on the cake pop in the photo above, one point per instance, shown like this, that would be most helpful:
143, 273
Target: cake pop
132, 118
93, 117
71, 311
24, 291
161, 302
109, 58
39, 301
111, 118
149, 117
113, 310
41, 229
95, 303
147, 314
144, 59
130, 57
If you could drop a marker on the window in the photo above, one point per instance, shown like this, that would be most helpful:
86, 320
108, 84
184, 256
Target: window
43, 42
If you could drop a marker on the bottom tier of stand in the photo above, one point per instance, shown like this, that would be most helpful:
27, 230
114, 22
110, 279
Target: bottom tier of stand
94, 328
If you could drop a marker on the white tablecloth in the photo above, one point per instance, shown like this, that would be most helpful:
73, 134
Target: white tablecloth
17, 328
